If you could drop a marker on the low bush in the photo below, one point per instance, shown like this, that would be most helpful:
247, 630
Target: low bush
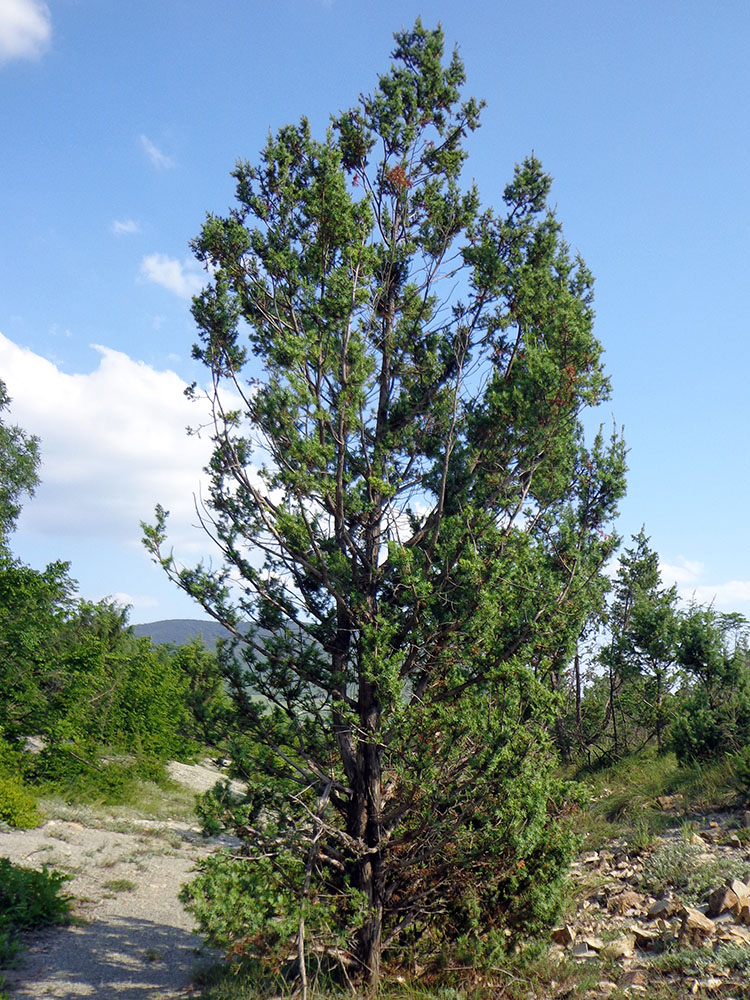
28, 899
18, 807
83, 775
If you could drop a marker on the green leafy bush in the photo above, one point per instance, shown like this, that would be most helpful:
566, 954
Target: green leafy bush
740, 771
713, 717
81, 774
251, 908
28, 899
18, 807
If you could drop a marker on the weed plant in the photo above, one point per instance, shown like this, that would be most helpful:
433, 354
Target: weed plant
727, 957
622, 800
682, 866
529, 975
120, 885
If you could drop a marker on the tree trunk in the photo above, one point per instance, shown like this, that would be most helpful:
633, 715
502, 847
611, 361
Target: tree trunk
659, 719
561, 731
365, 827
579, 717
613, 708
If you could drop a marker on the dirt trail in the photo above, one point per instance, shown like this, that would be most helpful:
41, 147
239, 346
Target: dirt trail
133, 939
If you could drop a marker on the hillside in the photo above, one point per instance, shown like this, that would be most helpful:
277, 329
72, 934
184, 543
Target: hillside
179, 631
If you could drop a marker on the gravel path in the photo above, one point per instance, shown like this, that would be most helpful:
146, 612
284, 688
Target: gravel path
132, 939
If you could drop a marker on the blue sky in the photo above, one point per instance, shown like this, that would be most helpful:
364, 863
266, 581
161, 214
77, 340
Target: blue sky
122, 121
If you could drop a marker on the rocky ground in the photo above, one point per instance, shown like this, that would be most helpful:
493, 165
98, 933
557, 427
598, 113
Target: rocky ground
668, 919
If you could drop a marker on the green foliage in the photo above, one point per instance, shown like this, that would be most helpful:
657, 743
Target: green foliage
621, 798
81, 775
119, 691
73, 671
29, 899
120, 885
250, 907
208, 706
19, 461
740, 770
34, 609
18, 807
413, 471
640, 656
714, 710
707, 961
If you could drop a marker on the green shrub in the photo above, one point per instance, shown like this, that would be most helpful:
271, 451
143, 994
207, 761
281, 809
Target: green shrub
712, 719
739, 766
251, 907
81, 774
28, 899
18, 806
697, 732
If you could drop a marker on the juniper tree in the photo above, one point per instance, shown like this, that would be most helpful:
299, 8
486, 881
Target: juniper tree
409, 521
641, 654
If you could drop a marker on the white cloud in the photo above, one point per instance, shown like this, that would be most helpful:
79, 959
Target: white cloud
683, 575
158, 159
139, 603
688, 575
125, 227
113, 445
25, 29
178, 277
723, 596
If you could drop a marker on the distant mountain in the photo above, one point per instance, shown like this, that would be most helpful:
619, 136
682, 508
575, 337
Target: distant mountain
180, 631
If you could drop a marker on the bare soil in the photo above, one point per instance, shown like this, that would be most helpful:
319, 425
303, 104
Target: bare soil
131, 938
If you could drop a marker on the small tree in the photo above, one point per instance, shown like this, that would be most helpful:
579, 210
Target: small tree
641, 654
409, 519
713, 717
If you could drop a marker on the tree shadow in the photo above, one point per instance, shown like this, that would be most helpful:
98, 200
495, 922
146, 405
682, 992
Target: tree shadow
115, 958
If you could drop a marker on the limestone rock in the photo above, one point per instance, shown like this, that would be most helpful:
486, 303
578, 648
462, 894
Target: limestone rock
622, 947
663, 908
564, 935
722, 900
593, 943
667, 802
581, 950
741, 891
731, 932
624, 901
605, 988
636, 980
645, 937
710, 836
696, 928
